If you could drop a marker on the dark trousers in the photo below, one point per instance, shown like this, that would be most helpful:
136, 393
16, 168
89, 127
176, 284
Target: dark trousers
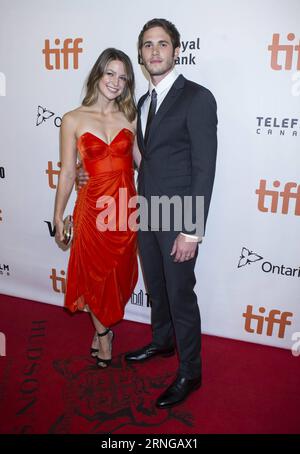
174, 303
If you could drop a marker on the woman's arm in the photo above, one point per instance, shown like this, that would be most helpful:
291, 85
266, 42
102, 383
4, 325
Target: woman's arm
136, 154
67, 174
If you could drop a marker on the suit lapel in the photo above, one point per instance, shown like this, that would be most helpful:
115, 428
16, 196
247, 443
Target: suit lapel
140, 137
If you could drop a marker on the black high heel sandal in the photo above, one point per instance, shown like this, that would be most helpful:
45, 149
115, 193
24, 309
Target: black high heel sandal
94, 351
104, 363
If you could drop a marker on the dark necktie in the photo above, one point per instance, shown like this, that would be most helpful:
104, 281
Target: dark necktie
151, 113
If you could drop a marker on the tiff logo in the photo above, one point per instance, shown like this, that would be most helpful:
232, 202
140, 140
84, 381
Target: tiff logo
58, 282
288, 51
273, 196
51, 174
2, 84
274, 317
70, 47
2, 344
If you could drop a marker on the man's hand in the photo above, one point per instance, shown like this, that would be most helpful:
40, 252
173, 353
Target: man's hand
82, 177
184, 248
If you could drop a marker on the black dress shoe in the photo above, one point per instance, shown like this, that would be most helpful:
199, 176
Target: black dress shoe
148, 352
178, 391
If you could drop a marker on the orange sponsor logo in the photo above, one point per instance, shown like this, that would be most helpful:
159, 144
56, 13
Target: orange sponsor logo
59, 57
255, 323
284, 56
58, 281
268, 199
52, 174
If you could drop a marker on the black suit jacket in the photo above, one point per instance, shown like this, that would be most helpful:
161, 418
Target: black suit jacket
180, 155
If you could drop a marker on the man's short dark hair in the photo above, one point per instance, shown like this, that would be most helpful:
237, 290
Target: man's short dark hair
166, 25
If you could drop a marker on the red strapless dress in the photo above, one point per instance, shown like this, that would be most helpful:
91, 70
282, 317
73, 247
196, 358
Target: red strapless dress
102, 269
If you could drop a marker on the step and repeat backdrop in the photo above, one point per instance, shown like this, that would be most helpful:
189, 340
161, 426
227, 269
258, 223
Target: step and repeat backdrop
248, 55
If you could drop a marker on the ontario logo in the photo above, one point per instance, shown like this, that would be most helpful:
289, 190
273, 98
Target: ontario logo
44, 114
249, 257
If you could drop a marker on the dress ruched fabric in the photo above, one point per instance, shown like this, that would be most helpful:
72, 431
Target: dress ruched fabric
102, 270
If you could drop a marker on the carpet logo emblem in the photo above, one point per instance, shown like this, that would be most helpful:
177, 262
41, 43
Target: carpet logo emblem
104, 401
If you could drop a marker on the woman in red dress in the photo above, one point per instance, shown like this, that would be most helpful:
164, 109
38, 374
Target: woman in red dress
102, 269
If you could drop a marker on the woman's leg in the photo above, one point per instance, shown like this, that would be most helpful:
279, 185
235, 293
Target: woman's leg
102, 343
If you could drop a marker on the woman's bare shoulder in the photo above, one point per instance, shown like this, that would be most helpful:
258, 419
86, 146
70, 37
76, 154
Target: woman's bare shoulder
73, 117
74, 114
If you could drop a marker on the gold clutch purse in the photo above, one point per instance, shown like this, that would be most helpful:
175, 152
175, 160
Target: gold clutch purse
68, 230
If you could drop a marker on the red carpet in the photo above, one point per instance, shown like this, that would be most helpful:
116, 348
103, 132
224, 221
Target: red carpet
50, 384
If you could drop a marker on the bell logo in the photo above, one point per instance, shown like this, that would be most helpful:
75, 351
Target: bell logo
286, 195
274, 317
287, 50
58, 282
70, 46
51, 174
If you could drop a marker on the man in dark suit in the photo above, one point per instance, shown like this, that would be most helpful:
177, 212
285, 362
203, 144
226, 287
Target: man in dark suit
177, 137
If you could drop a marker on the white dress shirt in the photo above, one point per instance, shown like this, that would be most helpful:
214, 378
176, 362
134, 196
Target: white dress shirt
162, 89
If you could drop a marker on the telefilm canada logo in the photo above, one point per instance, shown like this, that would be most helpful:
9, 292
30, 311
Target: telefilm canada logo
273, 126
249, 257
44, 114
